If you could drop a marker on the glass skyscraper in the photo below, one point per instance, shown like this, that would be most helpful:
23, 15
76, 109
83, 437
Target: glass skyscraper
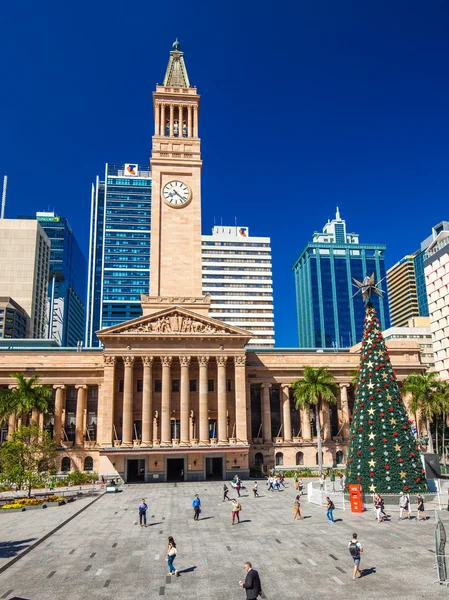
119, 247
327, 318
66, 315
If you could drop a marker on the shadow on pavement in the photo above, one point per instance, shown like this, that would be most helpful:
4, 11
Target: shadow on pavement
189, 570
13, 548
369, 571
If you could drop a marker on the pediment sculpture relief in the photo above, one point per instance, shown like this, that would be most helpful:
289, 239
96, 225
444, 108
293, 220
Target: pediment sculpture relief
177, 324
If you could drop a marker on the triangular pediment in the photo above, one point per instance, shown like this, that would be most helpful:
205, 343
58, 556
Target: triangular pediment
174, 321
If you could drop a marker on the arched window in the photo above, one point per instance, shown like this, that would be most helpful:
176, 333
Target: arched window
65, 464
339, 457
259, 458
316, 457
279, 459
88, 463
299, 458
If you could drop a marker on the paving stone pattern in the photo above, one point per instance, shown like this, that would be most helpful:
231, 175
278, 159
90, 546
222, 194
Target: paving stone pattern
103, 553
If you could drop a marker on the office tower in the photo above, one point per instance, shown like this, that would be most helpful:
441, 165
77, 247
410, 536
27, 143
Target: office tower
119, 247
237, 274
327, 318
24, 268
66, 313
13, 319
436, 270
417, 329
402, 293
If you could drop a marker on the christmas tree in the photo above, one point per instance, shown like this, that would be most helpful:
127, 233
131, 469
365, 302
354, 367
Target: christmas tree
383, 456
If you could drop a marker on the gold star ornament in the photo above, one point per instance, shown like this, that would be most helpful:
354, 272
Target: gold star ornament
397, 447
372, 488
393, 421
371, 411
371, 463
371, 436
403, 474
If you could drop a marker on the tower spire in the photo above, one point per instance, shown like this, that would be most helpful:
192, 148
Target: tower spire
176, 74
337, 214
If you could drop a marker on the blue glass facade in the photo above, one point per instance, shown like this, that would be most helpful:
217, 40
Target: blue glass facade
67, 281
119, 251
323, 278
421, 292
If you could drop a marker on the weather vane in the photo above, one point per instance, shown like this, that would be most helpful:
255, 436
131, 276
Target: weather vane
368, 288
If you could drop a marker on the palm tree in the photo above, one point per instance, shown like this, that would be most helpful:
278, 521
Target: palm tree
425, 391
316, 385
26, 396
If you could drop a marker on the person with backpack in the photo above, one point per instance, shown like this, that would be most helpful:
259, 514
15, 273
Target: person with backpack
143, 507
355, 549
404, 505
330, 509
236, 508
171, 555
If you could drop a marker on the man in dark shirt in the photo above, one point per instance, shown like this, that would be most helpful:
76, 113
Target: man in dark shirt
252, 582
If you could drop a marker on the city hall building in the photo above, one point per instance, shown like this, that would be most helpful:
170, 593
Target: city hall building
175, 394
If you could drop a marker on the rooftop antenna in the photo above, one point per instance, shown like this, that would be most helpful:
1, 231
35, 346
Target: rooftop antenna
5, 185
235, 219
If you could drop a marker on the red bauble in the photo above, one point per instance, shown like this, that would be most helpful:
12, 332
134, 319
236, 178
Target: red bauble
392, 378
387, 466
350, 460
422, 471
391, 409
353, 436
370, 351
408, 421
370, 374
386, 386
384, 440
361, 404
360, 428
395, 433
371, 397
358, 478
399, 459
370, 421
363, 381
382, 365
405, 488
381, 415
378, 389
418, 479
371, 449
412, 454
371, 474
374, 345
359, 453
404, 427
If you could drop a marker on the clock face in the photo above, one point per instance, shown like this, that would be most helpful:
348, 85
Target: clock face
176, 194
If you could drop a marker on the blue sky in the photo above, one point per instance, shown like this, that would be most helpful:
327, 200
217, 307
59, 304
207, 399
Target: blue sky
305, 105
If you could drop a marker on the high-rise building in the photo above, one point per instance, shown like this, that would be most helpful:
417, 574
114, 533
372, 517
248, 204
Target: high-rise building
24, 268
436, 269
13, 319
237, 274
327, 318
417, 329
402, 293
66, 313
119, 247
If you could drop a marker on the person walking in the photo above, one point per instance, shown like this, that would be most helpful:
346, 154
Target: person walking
421, 511
342, 482
171, 555
330, 509
143, 507
196, 505
332, 478
297, 507
300, 486
270, 483
281, 480
236, 508
255, 492
355, 549
252, 584
225, 492
378, 507
322, 481
295, 479
238, 486
404, 505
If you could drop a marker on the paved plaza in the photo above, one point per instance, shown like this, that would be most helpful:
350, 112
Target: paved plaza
103, 553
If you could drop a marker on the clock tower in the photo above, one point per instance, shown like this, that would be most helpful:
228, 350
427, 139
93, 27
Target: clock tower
175, 267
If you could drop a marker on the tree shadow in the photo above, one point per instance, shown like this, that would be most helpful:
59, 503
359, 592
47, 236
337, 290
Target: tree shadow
366, 572
13, 548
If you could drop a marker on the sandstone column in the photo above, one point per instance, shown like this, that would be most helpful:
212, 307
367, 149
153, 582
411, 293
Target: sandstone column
35, 415
248, 411
172, 120
345, 410
306, 428
189, 121
266, 412
147, 401
326, 420
166, 400
162, 123
59, 399
221, 400
203, 404
195, 121
81, 401
286, 415
240, 399
157, 113
185, 399
106, 403
11, 425
127, 415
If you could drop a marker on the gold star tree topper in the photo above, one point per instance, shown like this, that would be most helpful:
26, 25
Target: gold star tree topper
368, 287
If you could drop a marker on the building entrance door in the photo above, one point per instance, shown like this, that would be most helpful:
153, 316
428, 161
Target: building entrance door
214, 468
135, 470
175, 469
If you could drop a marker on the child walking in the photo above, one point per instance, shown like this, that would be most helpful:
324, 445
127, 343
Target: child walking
171, 555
